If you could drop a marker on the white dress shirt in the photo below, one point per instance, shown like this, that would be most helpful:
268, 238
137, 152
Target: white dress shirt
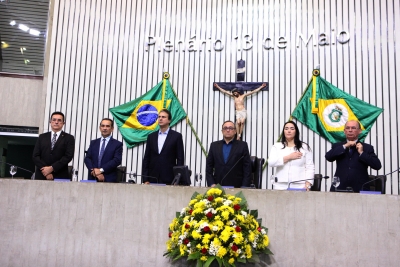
162, 136
293, 170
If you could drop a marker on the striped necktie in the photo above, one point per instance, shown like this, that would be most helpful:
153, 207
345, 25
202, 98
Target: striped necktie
103, 146
53, 141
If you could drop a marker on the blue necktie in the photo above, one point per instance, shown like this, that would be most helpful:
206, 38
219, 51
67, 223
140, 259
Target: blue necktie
103, 146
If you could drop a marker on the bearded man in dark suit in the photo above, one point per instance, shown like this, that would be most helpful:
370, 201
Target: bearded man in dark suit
104, 154
164, 150
53, 150
352, 159
228, 161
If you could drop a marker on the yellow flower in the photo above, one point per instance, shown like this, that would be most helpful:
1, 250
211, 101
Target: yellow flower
231, 261
196, 235
203, 258
192, 202
239, 238
219, 200
214, 191
206, 239
225, 215
226, 234
248, 251
266, 241
240, 218
230, 197
251, 236
237, 200
221, 252
217, 242
182, 249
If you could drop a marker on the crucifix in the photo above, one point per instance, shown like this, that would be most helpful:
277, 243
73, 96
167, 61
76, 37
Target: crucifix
237, 91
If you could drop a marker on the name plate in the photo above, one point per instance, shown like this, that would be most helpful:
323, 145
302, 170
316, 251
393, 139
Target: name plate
371, 192
297, 189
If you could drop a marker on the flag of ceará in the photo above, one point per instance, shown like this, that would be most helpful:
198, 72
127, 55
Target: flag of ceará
138, 118
325, 109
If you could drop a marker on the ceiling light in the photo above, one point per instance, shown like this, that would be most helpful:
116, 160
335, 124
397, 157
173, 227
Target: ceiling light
34, 32
12, 23
23, 27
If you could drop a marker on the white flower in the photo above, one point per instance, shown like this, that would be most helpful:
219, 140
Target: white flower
263, 231
227, 202
215, 228
243, 213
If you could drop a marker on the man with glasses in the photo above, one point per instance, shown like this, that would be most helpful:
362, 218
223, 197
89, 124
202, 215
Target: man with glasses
228, 161
352, 159
53, 150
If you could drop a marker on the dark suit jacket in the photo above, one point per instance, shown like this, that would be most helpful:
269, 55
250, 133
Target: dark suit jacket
352, 168
58, 158
216, 168
111, 159
160, 165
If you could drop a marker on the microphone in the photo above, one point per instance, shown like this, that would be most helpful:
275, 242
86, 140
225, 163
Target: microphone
231, 169
176, 180
319, 178
134, 174
377, 178
398, 170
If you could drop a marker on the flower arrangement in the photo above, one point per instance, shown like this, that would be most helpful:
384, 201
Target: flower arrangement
217, 226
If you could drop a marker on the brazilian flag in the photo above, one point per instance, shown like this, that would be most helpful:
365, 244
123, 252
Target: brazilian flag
325, 109
138, 118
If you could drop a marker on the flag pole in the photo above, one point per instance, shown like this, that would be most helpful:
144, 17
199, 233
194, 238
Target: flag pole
166, 76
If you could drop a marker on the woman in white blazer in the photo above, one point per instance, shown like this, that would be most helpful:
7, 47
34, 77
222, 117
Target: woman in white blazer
293, 160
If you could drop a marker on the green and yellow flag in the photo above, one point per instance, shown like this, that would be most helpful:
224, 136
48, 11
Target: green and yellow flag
325, 109
138, 118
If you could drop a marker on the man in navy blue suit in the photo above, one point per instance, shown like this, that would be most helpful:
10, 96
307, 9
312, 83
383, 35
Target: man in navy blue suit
164, 150
104, 155
353, 159
228, 161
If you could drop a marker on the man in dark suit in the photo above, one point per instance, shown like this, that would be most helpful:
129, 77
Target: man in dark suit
353, 159
104, 155
228, 162
164, 150
53, 151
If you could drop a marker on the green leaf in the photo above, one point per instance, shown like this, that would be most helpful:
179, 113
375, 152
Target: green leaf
243, 202
254, 213
255, 258
242, 260
267, 251
209, 260
219, 261
199, 263
195, 194
259, 221
177, 214
194, 256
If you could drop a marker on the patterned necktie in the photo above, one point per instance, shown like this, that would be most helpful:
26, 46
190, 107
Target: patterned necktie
101, 152
53, 141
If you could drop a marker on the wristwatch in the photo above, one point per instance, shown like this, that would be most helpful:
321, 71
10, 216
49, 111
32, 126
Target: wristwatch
101, 170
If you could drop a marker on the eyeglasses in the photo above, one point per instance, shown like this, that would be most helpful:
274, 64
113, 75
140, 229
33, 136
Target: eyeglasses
228, 128
351, 128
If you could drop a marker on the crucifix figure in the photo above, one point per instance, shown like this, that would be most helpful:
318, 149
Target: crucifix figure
240, 110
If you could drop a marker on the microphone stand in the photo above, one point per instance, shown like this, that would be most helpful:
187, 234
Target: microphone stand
231, 168
145, 176
33, 174
323, 177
